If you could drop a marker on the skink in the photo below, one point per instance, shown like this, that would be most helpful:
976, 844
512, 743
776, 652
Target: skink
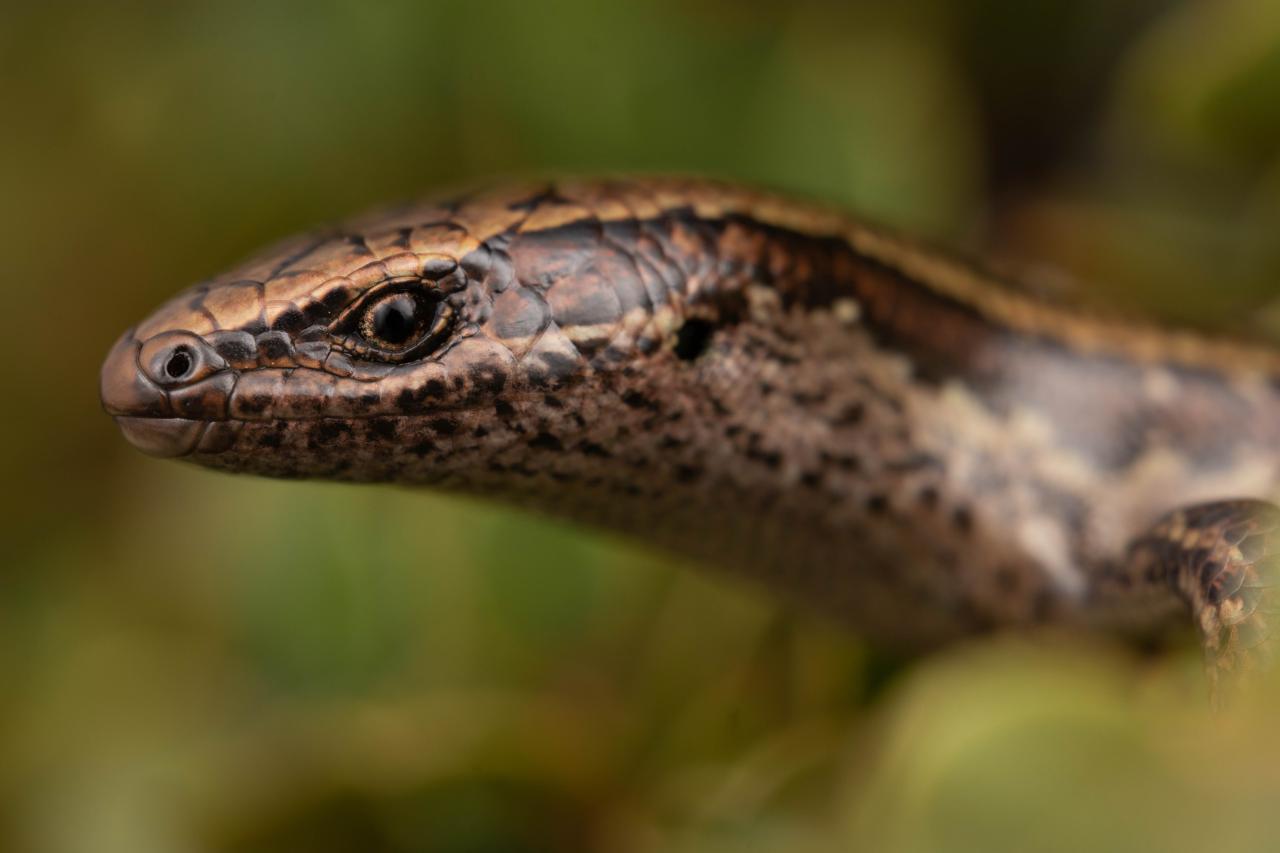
768, 386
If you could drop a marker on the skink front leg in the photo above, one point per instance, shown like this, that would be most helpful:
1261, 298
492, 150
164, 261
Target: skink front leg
1223, 560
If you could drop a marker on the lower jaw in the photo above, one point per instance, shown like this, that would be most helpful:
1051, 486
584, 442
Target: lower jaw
164, 437
174, 437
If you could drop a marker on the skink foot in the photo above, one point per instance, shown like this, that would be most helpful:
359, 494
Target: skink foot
1223, 559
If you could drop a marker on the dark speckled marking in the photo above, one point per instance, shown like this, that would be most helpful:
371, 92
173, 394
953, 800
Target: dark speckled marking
444, 426
687, 473
383, 428
636, 400
291, 321
851, 415
546, 441
328, 431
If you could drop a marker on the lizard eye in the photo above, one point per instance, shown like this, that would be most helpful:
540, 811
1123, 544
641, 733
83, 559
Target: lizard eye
392, 321
397, 326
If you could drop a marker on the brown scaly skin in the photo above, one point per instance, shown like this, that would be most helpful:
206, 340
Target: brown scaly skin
1222, 558
767, 386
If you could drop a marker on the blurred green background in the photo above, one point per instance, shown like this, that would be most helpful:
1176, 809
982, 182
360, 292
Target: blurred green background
193, 662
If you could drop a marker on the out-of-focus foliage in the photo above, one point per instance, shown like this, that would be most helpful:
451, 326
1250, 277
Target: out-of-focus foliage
194, 662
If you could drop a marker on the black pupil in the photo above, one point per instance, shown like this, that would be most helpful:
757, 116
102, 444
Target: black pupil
394, 319
178, 364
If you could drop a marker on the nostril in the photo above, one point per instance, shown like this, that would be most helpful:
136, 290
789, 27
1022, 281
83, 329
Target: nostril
178, 358
179, 363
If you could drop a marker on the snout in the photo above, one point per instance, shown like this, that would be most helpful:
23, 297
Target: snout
164, 392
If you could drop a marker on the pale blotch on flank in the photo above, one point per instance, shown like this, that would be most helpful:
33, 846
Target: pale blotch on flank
1045, 539
1160, 385
846, 311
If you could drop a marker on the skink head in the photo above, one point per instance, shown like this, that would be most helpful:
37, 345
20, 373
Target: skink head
401, 347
